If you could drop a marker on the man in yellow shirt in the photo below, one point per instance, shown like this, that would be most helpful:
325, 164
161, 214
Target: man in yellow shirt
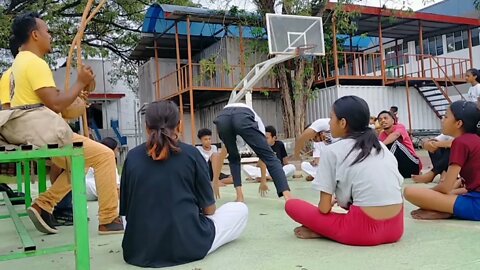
5, 89
34, 86
6, 80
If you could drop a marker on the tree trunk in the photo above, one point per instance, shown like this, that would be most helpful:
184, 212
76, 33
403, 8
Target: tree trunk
288, 113
299, 96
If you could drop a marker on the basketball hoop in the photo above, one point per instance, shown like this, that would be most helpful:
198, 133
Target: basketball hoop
289, 36
304, 49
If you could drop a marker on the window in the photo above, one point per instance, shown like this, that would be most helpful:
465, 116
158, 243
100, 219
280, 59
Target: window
457, 36
432, 46
438, 45
450, 43
396, 55
475, 37
459, 40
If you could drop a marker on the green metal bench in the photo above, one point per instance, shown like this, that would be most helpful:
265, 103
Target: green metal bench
23, 157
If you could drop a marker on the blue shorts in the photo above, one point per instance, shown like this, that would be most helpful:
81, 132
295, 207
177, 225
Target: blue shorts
467, 206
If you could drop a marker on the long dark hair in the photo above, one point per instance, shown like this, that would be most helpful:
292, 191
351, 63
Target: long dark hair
161, 119
356, 113
469, 113
475, 73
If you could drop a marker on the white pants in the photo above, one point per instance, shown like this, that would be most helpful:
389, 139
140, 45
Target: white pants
255, 172
91, 186
230, 221
309, 169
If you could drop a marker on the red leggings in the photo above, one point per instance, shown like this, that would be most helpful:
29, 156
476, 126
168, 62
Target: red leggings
353, 228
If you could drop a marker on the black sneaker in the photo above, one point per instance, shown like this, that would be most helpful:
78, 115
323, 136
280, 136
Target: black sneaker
115, 227
63, 218
43, 221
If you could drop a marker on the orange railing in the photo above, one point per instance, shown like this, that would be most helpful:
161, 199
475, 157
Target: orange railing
426, 66
361, 65
224, 77
351, 65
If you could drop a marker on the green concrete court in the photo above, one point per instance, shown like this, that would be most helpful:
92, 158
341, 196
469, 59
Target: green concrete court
269, 243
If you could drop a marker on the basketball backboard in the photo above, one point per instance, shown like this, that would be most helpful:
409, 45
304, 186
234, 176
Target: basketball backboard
287, 33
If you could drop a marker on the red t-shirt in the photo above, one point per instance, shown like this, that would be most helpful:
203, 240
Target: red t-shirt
403, 139
465, 152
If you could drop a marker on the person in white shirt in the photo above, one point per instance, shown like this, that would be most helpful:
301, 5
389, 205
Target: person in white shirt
240, 119
63, 211
362, 174
310, 168
279, 149
439, 151
90, 176
319, 126
473, 77
209, 152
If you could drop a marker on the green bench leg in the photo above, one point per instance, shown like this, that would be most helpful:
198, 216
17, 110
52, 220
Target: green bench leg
28, 193
80, 222
42, 175
19, 176
27, 242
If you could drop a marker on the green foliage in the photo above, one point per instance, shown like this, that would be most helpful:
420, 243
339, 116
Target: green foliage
113, 33
208, 66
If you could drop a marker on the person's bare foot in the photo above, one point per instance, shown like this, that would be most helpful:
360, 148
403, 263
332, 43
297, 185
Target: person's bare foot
287, 195
305, 233
309, 178
429, 214
299, 175
239, 192
424, 178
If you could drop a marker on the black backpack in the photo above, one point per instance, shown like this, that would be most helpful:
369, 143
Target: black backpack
12, 194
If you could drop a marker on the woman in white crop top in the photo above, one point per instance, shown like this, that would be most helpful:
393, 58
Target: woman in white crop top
363, 175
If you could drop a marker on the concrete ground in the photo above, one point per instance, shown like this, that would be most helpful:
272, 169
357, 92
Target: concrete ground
268, 243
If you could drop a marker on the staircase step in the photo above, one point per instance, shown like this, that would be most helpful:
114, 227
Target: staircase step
428, 90
439, 104
431, 91
433, 95
433, 100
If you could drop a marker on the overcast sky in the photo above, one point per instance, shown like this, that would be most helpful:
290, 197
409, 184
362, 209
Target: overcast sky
248, 5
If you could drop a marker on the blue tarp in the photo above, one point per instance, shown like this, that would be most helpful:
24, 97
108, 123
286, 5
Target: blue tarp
156, 22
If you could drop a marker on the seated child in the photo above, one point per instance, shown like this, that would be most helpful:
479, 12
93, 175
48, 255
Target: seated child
279, 149
167, 198
310, 168
318, 126
397, 139
462, 121
63, 211
362, 174
210, 152
439, 152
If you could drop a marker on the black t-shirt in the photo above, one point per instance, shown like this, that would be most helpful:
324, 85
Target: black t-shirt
279, 148
162, 202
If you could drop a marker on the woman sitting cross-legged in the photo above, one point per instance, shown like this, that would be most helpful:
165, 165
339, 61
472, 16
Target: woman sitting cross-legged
167, 198
462, 121
362, 174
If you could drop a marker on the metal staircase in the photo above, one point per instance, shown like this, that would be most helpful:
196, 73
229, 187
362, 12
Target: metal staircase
435, 94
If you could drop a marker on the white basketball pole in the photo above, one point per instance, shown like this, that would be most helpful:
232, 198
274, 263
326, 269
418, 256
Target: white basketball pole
246, 85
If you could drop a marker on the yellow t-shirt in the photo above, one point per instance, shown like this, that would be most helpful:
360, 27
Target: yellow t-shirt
30, 73
5, 87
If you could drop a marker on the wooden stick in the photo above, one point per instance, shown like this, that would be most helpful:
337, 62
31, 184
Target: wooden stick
77, 43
